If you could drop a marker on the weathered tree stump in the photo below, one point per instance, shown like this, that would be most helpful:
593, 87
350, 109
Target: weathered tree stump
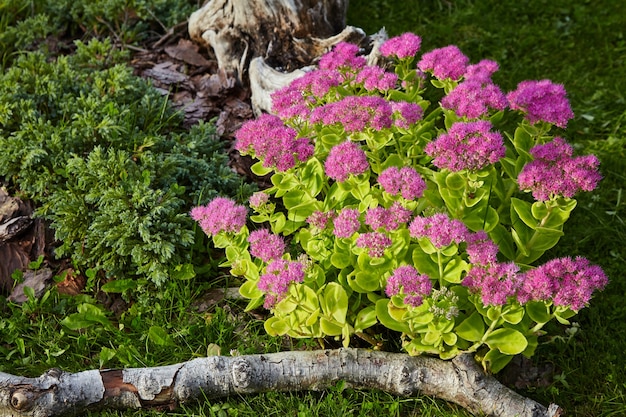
278, 37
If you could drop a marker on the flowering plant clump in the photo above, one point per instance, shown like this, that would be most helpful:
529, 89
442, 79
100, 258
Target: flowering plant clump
425, 217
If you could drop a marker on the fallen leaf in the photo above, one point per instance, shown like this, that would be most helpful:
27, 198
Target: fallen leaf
187, 51
72, 284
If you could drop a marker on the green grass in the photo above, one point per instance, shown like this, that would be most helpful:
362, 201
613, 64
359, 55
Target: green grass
580, 44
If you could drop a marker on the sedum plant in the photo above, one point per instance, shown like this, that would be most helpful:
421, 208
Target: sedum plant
415, 195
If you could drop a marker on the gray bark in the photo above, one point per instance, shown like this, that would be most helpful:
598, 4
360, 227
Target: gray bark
265, 43
460, 381
286, 33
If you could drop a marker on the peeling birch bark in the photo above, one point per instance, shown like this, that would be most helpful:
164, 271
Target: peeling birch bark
460, 381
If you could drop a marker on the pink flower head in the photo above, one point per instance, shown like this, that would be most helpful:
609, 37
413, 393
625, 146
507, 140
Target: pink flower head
555, 172
346, 223
279, 274
482, 71
298, 98
399, 215
377, 217
565, 281
467, 146
345, 159
473, 99
265, 245
389, 219
220, 215
542, 101
408, 281
343, 55
439, 229
403, 46
406, 113
273, 142
355, 113
496, 283
405, 181
320, 219
481, 249
446, 62
375, 78
376, 242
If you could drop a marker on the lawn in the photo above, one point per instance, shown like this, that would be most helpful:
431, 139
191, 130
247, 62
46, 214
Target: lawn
580, 44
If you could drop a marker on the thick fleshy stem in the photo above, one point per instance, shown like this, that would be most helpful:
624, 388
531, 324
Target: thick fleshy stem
536, 233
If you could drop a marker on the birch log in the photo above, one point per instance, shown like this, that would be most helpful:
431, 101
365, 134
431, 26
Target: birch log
460, 381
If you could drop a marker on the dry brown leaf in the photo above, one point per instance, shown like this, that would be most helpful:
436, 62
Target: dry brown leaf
72, 284
187, 51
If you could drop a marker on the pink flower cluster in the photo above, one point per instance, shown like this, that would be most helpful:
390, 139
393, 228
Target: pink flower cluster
345, 159
542, 101
375, 78
376, 242
565, 281
439, 229
355, 113
474, 97
467, 146
405, 113
265, 245
482, 71
301, 95
273, 142
405, 181
403, 46
555, 172
279, 274
343, 56
448, 62
408, 281
496, 282
346, 223
481, 250
220, 215
388, 219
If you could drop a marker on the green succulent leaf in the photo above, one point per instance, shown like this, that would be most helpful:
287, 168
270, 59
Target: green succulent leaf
472, 328
507, 341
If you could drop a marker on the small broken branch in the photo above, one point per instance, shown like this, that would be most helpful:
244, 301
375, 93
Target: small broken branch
460, 381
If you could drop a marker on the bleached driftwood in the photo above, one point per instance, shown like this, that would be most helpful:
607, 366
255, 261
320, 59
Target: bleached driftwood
286, 33
460, 381
266, 43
